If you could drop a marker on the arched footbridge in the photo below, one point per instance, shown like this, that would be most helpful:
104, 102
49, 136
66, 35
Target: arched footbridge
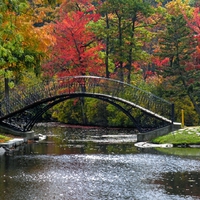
25, 106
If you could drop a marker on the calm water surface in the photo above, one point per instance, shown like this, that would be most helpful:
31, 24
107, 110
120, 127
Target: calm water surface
73, 164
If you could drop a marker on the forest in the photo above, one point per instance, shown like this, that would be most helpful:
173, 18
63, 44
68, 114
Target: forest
152, 44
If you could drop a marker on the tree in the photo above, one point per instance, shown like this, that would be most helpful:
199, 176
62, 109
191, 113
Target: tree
122, 25
11, 40
21, 44
76, 51
193, 22
178, 44
137, 33
103, 32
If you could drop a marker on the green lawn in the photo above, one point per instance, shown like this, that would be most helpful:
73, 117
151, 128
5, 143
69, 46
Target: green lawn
189, 135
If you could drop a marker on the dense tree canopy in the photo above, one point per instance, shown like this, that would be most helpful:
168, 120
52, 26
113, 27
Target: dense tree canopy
152, 44
76, 51
22, 46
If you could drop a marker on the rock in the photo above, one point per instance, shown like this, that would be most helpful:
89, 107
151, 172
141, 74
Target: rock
150, 145
2, 151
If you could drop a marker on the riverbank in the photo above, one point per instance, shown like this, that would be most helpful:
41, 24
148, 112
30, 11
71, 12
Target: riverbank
11, 145
187, 136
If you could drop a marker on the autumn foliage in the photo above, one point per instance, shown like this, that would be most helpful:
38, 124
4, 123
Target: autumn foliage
157, 41
76, 51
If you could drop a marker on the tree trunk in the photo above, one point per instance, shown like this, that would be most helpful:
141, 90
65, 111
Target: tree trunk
107, 48
130, 59
120, 69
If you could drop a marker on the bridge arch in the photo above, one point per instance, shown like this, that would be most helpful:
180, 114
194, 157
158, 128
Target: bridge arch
25, 107
110, 100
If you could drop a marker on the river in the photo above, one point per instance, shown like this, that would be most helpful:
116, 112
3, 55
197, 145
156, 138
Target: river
76, 164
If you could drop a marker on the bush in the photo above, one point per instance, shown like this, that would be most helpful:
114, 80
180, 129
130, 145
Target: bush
191, 118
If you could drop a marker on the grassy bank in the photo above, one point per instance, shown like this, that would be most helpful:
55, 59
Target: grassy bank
188, 135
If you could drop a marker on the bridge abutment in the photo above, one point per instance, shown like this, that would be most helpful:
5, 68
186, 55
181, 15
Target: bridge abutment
29, 135
148, 136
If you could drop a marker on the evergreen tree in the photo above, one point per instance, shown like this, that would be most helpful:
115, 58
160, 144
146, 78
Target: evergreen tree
178, 44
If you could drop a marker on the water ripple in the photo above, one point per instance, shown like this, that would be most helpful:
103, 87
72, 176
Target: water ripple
92, 177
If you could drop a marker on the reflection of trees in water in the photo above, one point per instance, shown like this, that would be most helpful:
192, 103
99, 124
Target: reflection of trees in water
89, 147
186, 183
74, 140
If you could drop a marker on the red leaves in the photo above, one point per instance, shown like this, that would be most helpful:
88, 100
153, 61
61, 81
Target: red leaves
158, 62
194, 23
76, 51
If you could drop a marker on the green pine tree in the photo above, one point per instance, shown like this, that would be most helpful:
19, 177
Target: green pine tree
178, 44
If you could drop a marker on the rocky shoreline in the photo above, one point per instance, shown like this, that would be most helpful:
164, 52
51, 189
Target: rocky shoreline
11, 145
15, 144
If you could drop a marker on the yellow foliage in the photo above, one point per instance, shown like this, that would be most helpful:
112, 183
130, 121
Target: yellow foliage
20, 34
38, 38
176, 7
